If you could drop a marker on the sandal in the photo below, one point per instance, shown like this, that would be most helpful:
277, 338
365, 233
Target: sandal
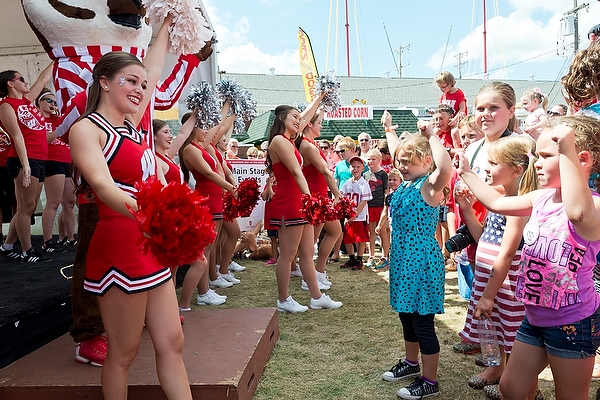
332, 260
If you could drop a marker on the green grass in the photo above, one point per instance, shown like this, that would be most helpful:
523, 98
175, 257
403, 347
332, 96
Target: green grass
341, 354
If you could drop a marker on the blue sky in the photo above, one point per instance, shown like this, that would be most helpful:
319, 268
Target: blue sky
522, 36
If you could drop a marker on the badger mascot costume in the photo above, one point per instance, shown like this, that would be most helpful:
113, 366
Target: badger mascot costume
75, 34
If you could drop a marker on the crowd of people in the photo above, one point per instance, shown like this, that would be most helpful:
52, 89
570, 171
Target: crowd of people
512, 207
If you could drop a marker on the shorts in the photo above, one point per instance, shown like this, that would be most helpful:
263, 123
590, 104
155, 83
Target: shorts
7, 189
272, 233
38, 168
58, 168
579, 339
375, 214
356, 232
443, 214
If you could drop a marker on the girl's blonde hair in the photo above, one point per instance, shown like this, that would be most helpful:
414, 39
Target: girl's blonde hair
537, 94
587, 138
416, 148
517, 151
581, 83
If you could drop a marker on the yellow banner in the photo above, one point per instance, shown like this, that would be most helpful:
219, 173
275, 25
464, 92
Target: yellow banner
308, 67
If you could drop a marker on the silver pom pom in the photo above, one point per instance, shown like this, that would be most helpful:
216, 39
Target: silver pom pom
300, 106
202, 100
331, 87
242, 104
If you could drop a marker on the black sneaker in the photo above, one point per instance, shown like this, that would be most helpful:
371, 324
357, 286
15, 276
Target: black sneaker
70, 243
419, 389
52, 246
62, 241
347, 264
34, 256
14, 253
400, 371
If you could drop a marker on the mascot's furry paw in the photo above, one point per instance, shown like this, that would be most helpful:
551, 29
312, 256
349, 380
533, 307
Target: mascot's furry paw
205, 52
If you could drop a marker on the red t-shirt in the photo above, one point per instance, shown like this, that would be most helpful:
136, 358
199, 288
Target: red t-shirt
454, 100
33, 128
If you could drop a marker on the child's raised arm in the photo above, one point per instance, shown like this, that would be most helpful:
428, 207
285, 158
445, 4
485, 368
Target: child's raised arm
440, 177
489, 197
582, 209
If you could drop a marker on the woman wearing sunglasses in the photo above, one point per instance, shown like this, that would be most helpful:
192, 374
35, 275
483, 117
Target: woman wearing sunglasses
58, 184
26, 160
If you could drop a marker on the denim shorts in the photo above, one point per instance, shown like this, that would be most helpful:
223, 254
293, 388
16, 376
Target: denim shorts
579, 339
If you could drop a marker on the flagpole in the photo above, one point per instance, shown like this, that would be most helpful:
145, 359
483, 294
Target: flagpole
347, 40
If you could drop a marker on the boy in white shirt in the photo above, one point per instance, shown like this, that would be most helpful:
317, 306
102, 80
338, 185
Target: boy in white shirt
357, 231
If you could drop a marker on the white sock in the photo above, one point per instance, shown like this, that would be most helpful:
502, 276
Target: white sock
7, 246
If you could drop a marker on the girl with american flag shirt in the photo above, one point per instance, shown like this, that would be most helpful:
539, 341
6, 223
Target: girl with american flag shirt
510, 165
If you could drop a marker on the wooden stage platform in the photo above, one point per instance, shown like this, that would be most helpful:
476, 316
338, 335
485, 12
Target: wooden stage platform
225, 354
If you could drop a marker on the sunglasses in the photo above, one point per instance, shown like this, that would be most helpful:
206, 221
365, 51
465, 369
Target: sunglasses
363, 140
339, 150
20, 78
50, 101
324, 148
553, 114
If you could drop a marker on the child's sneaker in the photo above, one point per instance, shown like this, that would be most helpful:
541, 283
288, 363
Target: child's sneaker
347, 264
370, 262
400, 371
382, 264
296, 273
419, 389
357, 264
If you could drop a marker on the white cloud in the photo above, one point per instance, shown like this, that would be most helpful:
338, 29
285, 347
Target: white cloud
249, 59
520, 37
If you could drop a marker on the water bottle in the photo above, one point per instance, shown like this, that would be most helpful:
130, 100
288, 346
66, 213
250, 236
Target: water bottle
489, 342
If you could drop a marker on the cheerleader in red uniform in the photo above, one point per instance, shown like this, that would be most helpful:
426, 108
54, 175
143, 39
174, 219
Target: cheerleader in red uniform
295, 235
319, 179
195, 159
230, 232
26, 159
58, 184
133, 289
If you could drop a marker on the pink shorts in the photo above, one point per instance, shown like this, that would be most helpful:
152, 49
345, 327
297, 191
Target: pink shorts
356, 232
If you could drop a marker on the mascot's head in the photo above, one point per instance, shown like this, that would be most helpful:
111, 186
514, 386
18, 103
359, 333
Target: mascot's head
59, 23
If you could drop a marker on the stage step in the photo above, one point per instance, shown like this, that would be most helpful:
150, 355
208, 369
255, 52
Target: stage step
225, 354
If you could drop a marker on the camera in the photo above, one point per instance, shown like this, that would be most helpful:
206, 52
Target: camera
459, 241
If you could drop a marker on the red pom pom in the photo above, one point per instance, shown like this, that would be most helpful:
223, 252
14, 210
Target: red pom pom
176, 224
244, 202
316, 209
344, 208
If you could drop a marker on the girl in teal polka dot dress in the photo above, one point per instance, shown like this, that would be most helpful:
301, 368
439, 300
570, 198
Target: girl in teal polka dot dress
417, 264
